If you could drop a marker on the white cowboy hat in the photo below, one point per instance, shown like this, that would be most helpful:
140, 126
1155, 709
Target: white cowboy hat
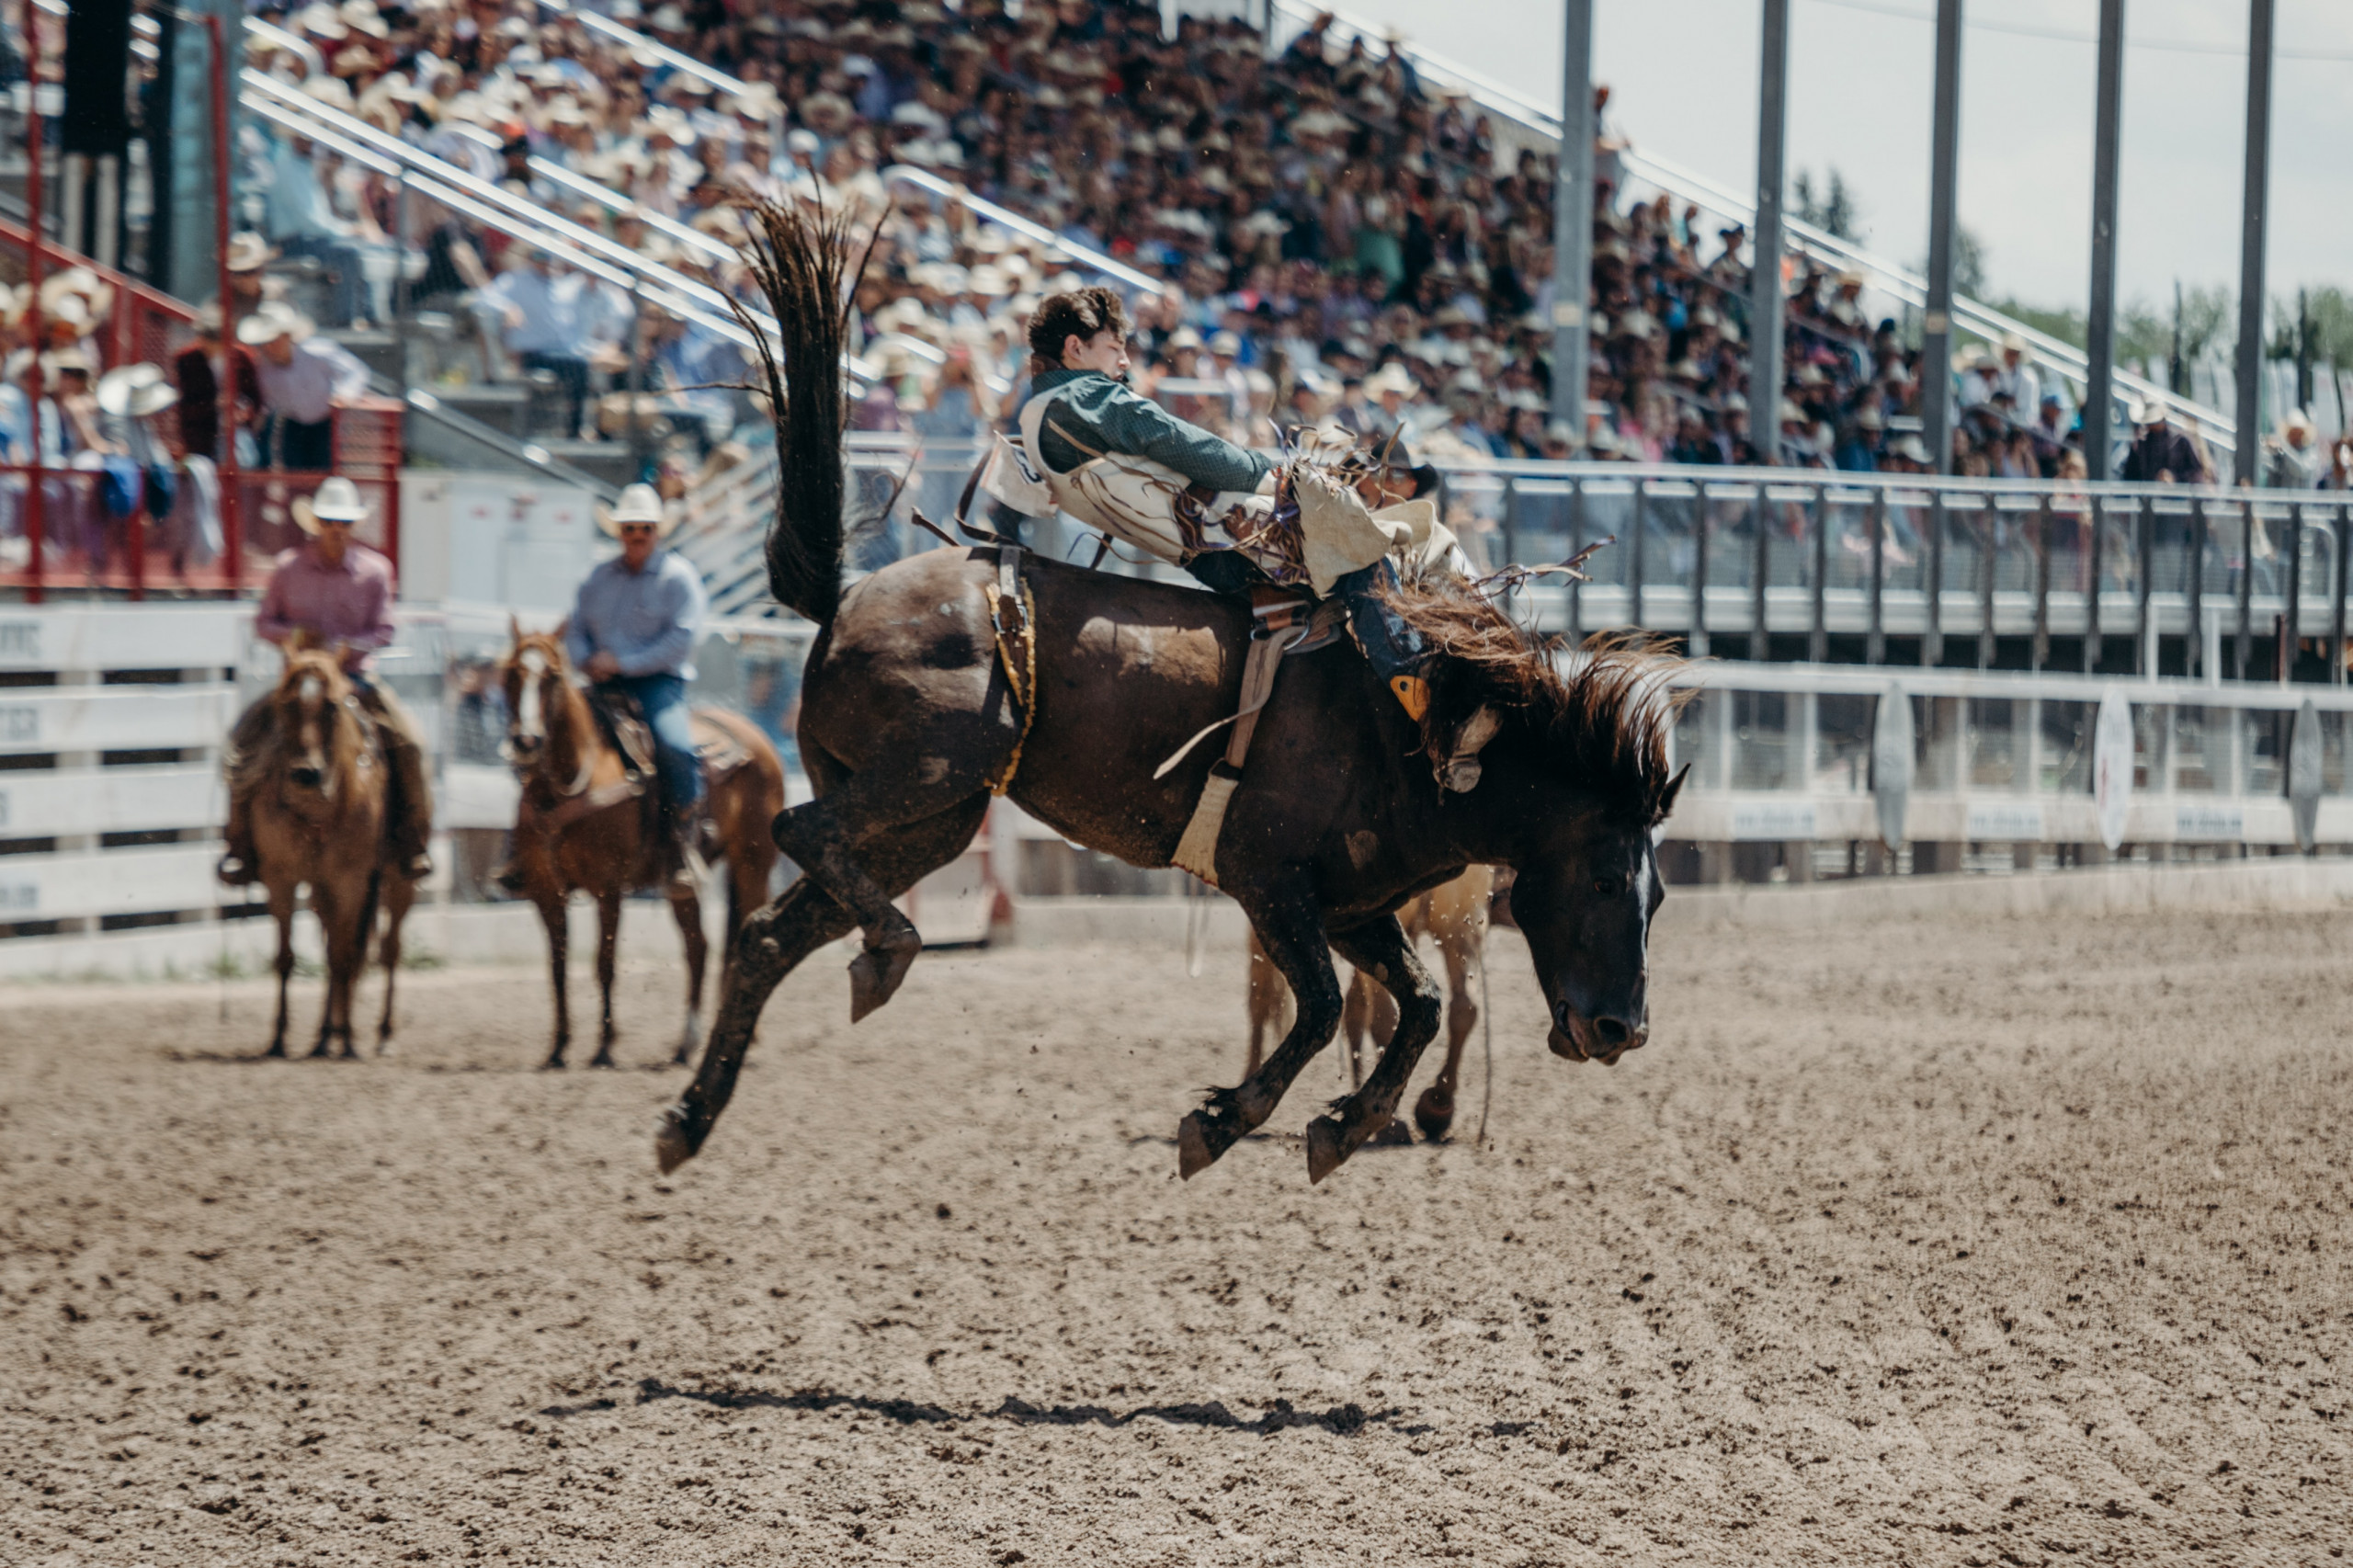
335, 501
271, 322
136, 391
638, 503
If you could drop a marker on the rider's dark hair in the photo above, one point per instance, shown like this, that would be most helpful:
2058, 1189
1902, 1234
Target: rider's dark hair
1080, 313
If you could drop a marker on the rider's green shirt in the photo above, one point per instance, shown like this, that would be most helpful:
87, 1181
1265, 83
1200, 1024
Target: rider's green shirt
1106, 415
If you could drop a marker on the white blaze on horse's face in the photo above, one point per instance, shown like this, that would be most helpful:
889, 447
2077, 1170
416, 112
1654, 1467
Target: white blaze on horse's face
309, 770
530, 714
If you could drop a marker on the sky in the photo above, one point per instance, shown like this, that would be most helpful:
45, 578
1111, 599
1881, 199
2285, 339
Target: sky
1683, 74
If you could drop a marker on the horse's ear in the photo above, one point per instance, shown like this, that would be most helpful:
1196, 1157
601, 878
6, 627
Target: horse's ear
513, 629
1674, 788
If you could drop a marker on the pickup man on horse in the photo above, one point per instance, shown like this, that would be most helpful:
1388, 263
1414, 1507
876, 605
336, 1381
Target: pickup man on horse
1092, 447
633, 631
338, 594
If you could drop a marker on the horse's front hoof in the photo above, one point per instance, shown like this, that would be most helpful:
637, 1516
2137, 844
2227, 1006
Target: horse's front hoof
673, 1146
1434, 1112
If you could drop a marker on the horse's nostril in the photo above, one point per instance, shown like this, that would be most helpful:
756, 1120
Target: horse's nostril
306, 777
1613, 1031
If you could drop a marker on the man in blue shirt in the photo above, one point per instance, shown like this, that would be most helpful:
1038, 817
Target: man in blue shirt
634, 627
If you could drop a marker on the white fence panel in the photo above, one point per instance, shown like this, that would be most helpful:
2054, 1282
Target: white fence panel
123, 637
121, 881
113, 718
111, 800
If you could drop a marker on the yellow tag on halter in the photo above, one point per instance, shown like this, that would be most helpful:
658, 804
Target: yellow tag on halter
1412, 695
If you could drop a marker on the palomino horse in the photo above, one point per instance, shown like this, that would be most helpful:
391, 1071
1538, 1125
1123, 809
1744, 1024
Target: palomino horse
583, 826
1453, 915
919, 699
318, 790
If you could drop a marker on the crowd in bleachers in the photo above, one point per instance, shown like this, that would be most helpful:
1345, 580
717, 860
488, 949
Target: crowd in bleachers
1334, 238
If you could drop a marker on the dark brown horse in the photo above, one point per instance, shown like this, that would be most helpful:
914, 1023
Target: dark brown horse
908, 720
317, 789
582, 825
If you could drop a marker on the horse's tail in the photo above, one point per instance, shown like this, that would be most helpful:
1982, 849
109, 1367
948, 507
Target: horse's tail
800, 261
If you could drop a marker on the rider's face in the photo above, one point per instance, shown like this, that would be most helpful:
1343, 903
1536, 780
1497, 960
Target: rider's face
1105, 351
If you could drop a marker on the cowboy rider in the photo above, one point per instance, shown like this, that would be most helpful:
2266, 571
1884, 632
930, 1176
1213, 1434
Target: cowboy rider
335, 592
1081, 412
633, 628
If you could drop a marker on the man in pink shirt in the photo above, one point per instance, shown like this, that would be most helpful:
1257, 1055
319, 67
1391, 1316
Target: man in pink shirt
335, 592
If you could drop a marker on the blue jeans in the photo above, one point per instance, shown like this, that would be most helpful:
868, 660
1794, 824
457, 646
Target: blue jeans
342, 257
663, 701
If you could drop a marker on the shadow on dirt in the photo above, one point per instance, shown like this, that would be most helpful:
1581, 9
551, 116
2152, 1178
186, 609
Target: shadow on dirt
1342, 1420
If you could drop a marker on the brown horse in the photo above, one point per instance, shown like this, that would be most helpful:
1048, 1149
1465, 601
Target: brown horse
1454, 915
910, 715
582, 825
317, 790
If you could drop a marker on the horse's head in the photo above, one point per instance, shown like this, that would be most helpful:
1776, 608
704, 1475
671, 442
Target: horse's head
1575, 784
537, 678
318, 736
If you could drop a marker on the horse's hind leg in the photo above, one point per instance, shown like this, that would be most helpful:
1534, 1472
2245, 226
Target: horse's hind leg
1434, 1112
609, 936
835, 838
1266, 994
686, 910
1380, 947
774, 941
400, 894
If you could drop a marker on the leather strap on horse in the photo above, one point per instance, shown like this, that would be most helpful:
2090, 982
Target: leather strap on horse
1020, 676
1281, 627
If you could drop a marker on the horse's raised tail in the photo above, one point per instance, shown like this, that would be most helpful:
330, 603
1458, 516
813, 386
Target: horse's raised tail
801, 259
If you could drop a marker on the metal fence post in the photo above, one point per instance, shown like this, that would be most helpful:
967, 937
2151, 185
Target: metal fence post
2336, 539
1875, 646
1759, 637
2246, 649
1817, 641
1576, 543
1698, 641
2144, 530
1989, 524
2194, 655
1511, 517
1932, 646
2097, 516
2291, 626
1635, 562
2041, 654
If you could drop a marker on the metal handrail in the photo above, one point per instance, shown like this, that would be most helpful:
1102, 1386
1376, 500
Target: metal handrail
293, 43
453, 188
1544, 123
1093, 260
719, 79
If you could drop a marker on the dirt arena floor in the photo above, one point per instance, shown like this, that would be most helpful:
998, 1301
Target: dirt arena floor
1956, 1242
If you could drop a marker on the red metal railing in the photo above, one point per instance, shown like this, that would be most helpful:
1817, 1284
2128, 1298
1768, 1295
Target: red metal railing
56, 529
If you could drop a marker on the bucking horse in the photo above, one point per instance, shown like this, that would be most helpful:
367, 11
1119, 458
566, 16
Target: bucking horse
916, 704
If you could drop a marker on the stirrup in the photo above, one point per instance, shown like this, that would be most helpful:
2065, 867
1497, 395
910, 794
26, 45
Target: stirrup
417, 867
234, 871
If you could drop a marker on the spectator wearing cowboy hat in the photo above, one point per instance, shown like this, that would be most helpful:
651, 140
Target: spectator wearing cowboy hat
2291, 462
335, 591
194, 371
302, 379
2162, 455
633, 626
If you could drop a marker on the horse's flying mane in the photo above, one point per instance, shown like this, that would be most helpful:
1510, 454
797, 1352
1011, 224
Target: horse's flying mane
1604, 710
